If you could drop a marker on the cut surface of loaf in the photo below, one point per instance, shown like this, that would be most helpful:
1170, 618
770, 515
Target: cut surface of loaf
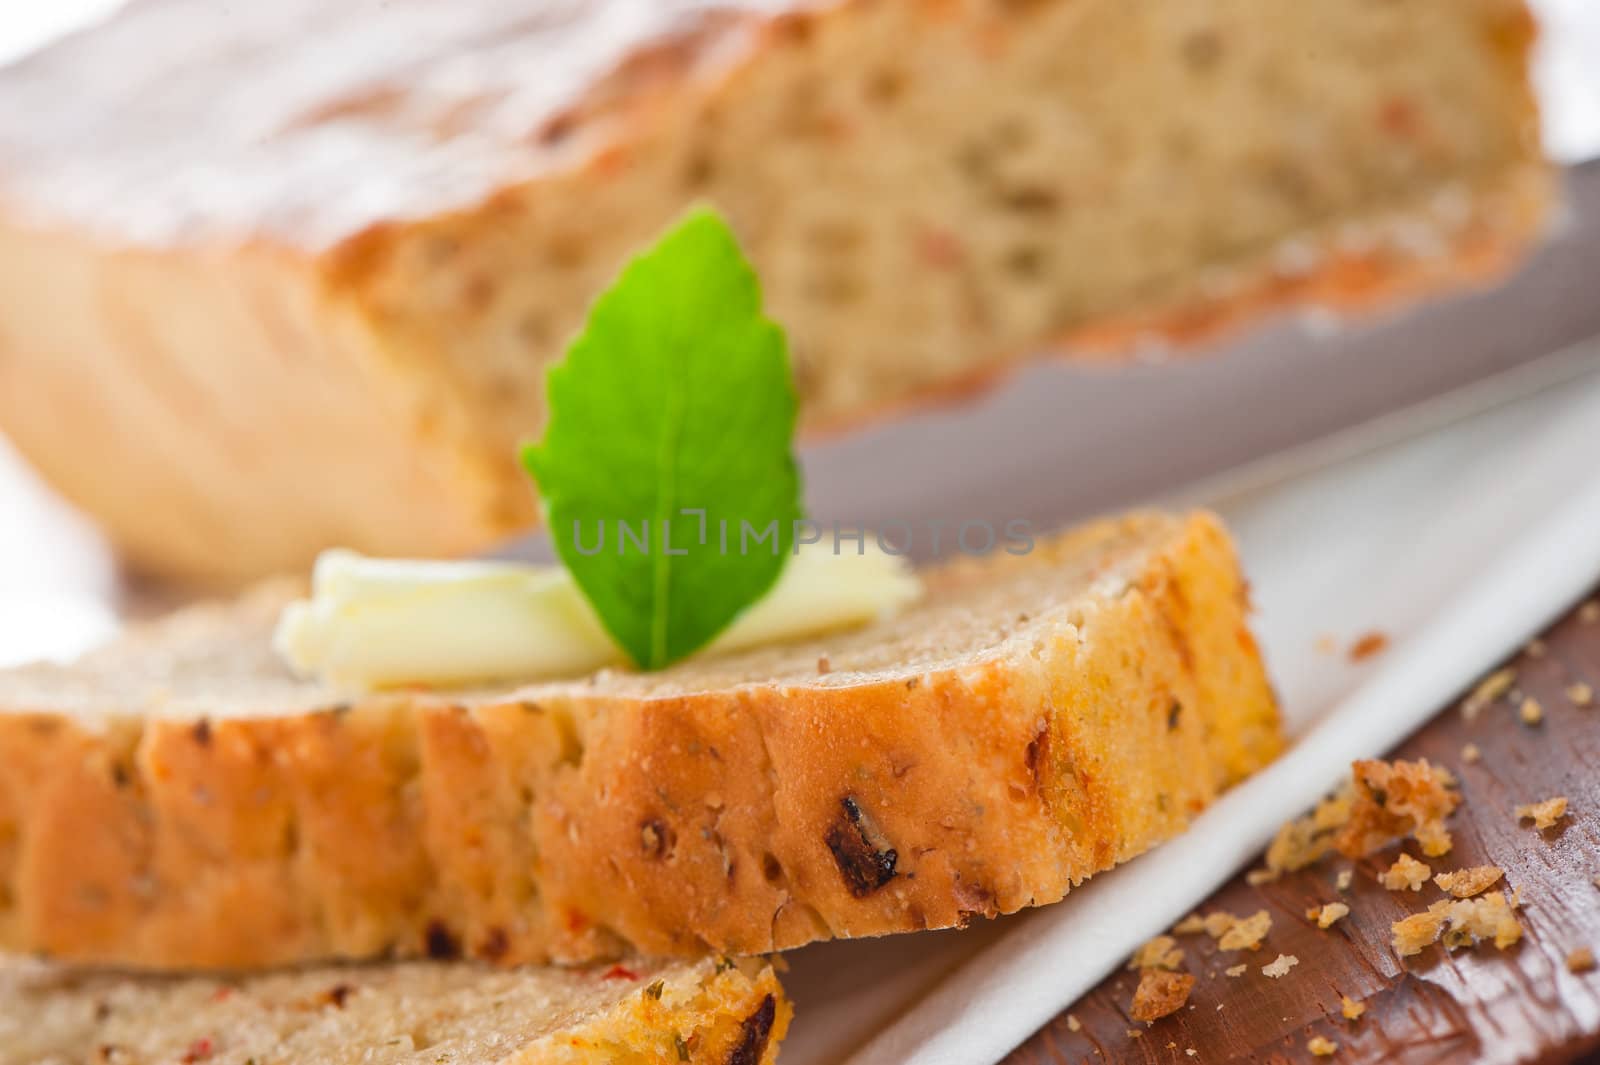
712, 1012
309, 302
178, 799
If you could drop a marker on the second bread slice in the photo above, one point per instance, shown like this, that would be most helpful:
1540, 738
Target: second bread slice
180, 800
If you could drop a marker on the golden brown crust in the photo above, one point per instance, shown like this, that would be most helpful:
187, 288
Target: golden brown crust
387, 309
587, 819
706, 1012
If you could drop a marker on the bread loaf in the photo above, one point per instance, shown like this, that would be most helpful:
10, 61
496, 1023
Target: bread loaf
179, 800
714, 1012
286, 276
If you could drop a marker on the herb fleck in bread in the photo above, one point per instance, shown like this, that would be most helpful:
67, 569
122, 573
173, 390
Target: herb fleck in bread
178, 799
416, 1013
308, 303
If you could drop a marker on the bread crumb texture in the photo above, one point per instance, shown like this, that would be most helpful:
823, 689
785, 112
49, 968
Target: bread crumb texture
713, 1011
1321, 1046
179, 800
1160, 993
1460, 923
1406, 874
1464, 883
1543, 814
1280, 966
1326, 915
1350, 1008
1162, 952
1393, 800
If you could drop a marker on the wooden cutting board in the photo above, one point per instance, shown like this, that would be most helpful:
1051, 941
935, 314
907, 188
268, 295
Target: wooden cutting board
1478, 1005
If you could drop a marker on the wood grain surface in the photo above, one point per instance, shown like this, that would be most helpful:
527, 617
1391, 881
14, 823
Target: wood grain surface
1477, 1005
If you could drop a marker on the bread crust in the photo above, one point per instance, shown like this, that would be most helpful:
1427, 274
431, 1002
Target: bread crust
382, 365
575, 822
707, 1012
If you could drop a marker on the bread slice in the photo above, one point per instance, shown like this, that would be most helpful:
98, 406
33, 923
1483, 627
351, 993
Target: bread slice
178, 799
407, 1013
302, 267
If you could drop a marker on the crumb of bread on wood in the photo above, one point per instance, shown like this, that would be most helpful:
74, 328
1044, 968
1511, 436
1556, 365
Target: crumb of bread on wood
1351, 1008
1589, 613
1461, 923
1190, 925
1543, 814
1580, 960
1471, 921
1535, 648
1406, 874
1162, 952
1464, 883
1411, 934
1280, 966
1580, 694
1470, 753
1134, 1033
1326, 915
1487, 691
1531, 712
1342, 881
1160, 993
1304, 840
1246, 933
1393, 800
1192, 1052
1321, 1046
1237, 970
1073, 1024
1368, 644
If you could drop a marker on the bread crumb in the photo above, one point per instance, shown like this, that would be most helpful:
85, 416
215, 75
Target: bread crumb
1411, 934
1134, 1033
1470, 754
1535, 648
1580, 960
1580, 694
1393, 800
1530, 711
1406, 874
1257, 877
1280, 966
1322, 1047
1488, 690
1464, 883
1544, 814
1189, 926
1325, 916
1159, 993
1236, 970
1162, 952
1351, 1008
1473, 920
1073, 1024
1589, 613
1246, 933
1342, 881
1367, 645
1192, 1052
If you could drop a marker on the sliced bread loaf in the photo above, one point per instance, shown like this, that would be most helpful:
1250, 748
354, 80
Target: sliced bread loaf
308, 301
418, 1013
179, 799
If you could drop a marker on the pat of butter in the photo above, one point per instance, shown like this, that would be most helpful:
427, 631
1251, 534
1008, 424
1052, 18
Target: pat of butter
383, 623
